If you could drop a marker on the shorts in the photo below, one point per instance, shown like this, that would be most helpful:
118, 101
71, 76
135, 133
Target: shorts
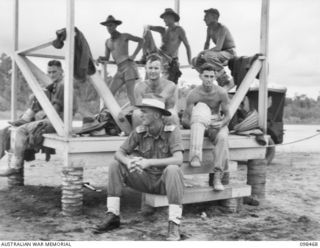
127, 70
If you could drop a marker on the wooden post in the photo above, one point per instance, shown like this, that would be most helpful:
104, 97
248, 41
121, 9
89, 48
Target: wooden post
264, 47
68, 85
14, 75
177, 6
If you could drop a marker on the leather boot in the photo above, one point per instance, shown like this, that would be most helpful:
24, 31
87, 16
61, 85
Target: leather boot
111, 222
217, 185
173, 231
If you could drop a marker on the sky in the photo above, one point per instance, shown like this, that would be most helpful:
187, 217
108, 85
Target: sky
294, 38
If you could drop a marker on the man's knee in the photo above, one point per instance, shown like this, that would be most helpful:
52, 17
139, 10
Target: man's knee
114, 167
222, 136
173, 169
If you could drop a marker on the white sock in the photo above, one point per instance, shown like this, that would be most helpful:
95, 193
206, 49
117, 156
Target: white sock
113, 205
175, 213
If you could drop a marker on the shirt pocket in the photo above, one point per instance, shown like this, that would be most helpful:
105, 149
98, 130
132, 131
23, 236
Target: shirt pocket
146, 151
163, 149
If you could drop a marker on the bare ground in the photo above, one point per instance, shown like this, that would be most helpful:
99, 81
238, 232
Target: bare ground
290, 212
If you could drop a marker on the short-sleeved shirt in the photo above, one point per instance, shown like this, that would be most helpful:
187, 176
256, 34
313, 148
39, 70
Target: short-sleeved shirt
148, 146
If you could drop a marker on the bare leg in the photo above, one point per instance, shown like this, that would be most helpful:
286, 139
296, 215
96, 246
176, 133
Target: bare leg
115, 85
130, 91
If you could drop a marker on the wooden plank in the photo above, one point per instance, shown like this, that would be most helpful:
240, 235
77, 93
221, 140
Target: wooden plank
40, 95
68, 86
35, 48
112, 143
201, 194
110, 102
244, 86
264, 49
14, 75
42, 78
46, 56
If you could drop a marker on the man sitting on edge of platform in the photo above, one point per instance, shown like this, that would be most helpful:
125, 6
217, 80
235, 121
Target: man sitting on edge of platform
118, 46
207, 113
34, 122
155, 85
171, 38
224, 48
148, 161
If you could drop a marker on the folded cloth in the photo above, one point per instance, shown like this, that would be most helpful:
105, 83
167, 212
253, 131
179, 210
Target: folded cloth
239, 66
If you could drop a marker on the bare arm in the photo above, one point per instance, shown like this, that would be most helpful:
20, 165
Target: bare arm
138, 89
186, 44
224, 107
158, 29
139, 46
176, 159
187, 113
106, 54
169, 93
221, 38
207, 43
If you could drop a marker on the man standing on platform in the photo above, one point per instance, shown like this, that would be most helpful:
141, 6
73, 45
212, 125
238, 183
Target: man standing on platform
224, 49
207, 113
34, 122
171, 39
118, 46
148, 161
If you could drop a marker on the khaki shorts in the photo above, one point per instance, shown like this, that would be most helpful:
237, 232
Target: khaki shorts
127, 70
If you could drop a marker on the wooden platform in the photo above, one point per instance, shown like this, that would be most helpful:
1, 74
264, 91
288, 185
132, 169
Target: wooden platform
88, 151
201, 194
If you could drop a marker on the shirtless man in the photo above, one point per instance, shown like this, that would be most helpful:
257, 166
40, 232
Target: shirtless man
117, 45
155, 85
224, 49
204, 106
171, 38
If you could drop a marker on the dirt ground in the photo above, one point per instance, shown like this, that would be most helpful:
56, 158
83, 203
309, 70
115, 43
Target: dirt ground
290, 212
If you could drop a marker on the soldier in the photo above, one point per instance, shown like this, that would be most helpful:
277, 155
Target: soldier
223, 50
155, 169
27, 127
204, 106
172, 36
117, 45
157, 86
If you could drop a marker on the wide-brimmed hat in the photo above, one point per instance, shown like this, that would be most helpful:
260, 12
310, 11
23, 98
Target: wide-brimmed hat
90, 124
212, 11
170, 11
110, 19
154, 104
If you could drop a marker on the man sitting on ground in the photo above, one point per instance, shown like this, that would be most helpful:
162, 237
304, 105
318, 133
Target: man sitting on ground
154, 169
171, 40
207, 109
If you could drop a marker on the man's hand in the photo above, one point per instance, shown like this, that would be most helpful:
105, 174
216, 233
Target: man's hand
215, 124
143, 163
132, 162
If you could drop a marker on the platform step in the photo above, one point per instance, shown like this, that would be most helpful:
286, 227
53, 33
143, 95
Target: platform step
201, 194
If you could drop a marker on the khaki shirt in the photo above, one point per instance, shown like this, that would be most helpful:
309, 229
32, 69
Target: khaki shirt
148, 146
